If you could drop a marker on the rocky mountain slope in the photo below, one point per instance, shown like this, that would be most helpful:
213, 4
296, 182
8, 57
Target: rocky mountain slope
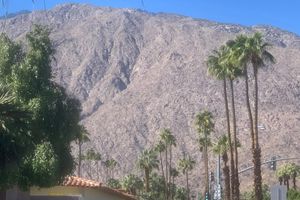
137, 72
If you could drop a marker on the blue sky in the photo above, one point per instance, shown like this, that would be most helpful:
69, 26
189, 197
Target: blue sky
284, 14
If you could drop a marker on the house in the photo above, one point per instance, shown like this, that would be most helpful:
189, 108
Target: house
75, 188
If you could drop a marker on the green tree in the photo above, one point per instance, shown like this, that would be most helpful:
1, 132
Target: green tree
157, 185
54, 115
221, 148
83, 137
205, 125
114, 183
286, 172
147, 161
186, 164
132, 184
254, 51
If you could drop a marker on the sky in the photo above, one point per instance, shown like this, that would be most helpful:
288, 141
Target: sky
284, 14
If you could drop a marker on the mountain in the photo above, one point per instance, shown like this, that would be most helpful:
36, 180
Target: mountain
137, 72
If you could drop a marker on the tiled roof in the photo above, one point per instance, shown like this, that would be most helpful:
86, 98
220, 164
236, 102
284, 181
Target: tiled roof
80, 182
74, 181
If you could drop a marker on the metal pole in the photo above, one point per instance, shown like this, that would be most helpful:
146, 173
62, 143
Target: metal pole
279, 159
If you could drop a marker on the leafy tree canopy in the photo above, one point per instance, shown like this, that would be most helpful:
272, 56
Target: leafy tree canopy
54, 115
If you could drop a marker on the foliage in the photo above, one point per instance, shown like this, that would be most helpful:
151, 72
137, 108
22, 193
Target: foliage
43, 163
286, 172
204, 123
114, 183
250, 195
54, 115
186, 164
132, 184
293, 194
148, 160
181, 193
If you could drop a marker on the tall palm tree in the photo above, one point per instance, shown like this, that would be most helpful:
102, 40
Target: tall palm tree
169, 141
254, 51
82, 137
148, 161
233, 71
217, 64
205, 125
221, 148
186, 164
160, 148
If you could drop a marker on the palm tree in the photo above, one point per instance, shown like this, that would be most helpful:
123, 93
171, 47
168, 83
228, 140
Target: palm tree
205, 125
295, 171
288, 171
220, 69
97, 158
160, 148
90, 154
82, 137
110, 165
173, 174
232, 72
132, 184
253, 50
168, 140
186, 164
148, 161
221, 148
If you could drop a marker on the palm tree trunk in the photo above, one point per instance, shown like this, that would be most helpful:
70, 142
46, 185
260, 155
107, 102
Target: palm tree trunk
162, 171
173, 187
236, 175
206, 166
249, 109
288, 184
280, 181
226, 176
187, 185
79, 158
166, 166
294, 182
257, 151
147, 180
229, 138
170, 166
